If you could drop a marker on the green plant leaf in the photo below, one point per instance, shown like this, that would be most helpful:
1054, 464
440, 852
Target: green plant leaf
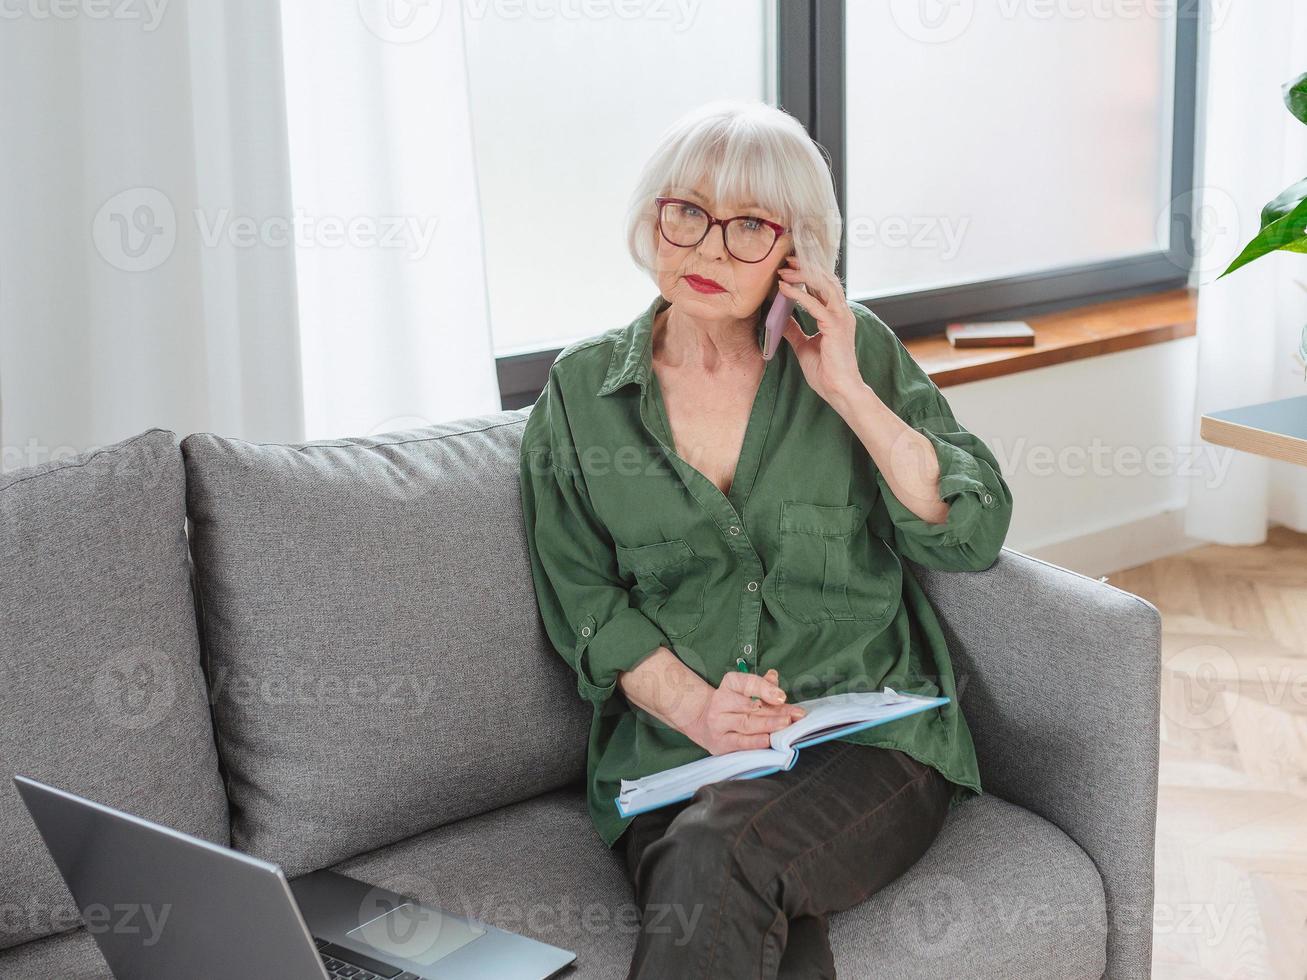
1299, 246
1289, 199
1288, 230
1295, 96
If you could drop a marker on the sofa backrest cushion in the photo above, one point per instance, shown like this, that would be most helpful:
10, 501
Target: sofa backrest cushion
376, 655
101, 687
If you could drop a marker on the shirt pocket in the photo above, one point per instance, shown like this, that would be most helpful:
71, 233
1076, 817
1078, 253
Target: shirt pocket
831, 566
670, 583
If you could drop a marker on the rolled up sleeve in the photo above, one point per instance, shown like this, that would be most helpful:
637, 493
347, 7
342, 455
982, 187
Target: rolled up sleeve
584, 605
980, 502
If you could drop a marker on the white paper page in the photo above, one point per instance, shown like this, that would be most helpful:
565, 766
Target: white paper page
672, 782
839, 709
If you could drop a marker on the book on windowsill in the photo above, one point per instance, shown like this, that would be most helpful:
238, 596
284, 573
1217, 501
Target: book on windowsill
830, 717
996, 333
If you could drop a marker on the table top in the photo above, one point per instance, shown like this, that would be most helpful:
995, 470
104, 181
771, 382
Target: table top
1275, 429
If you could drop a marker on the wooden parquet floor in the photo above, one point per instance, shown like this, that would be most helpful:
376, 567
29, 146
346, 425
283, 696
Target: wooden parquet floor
1231, 897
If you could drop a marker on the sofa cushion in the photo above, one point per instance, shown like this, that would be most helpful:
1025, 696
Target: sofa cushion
376, 656
68, 956
102, 691
1001, 893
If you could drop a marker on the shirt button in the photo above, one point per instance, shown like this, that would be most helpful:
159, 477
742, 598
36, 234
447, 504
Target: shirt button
748, 648
988, 498
734, 529
752, 586
585, 630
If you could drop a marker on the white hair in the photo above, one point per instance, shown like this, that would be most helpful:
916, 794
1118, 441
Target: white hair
743, 151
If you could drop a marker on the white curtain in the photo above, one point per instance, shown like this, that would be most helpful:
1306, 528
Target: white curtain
395, 325
1249, 323
209, 223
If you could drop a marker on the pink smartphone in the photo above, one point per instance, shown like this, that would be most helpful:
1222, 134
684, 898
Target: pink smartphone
777, 316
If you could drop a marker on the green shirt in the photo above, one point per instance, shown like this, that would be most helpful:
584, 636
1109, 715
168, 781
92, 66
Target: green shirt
797, 567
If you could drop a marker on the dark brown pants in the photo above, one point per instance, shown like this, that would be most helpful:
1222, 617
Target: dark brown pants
738, 881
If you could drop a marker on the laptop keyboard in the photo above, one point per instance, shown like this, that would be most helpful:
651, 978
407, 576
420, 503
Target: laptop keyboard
346, 963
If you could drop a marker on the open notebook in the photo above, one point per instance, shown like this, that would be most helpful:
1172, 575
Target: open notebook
829, 717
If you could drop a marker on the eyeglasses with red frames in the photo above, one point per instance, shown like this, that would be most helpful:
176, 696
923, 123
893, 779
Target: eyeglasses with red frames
747, 237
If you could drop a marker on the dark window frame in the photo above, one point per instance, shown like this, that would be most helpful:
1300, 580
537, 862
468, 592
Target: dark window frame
810, 84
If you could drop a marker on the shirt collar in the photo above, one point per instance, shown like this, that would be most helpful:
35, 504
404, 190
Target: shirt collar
632, 357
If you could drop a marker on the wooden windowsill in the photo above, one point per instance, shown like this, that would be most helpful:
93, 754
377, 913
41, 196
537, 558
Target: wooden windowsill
1067, 335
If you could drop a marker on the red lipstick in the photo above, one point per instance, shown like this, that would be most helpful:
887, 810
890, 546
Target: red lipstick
702, 285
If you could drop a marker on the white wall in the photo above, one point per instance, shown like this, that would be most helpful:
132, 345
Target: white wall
1096, 453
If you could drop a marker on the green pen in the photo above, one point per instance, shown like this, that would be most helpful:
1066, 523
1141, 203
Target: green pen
742, 664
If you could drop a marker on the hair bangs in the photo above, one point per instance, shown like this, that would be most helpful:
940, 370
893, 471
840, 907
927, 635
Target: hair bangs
736, 166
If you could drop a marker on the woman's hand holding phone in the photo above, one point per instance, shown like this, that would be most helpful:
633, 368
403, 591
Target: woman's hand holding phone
827, 358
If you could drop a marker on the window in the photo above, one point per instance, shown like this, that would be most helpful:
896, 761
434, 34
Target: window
1015, 154
567, 101
991, 159
1012, 144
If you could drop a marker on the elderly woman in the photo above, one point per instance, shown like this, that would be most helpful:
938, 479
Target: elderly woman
715, 536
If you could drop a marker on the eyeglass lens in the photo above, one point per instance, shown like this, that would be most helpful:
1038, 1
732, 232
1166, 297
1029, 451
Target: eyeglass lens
748, 239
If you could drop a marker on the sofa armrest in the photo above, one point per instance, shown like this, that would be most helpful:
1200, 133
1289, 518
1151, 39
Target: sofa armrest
1058, 676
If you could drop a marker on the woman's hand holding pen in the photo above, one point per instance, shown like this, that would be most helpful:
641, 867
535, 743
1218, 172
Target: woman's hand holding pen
741, 713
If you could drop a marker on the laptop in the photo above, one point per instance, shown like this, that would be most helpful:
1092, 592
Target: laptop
163, 904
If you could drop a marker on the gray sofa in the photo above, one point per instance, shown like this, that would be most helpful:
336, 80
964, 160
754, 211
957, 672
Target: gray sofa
329, 655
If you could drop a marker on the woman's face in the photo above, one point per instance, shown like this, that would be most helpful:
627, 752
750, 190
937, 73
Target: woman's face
734, 290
